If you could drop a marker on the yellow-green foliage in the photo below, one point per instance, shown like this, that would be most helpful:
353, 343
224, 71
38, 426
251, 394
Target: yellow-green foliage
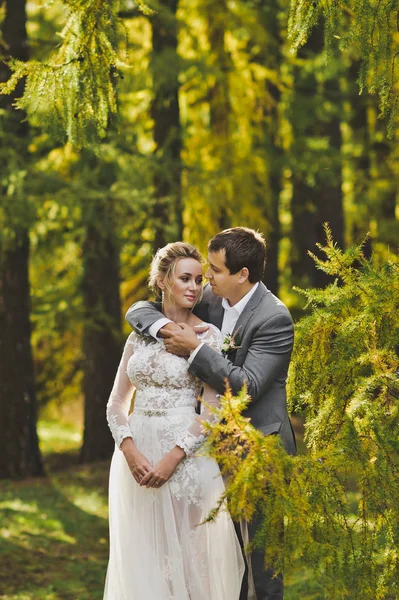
340, 500
369, 29
74, 93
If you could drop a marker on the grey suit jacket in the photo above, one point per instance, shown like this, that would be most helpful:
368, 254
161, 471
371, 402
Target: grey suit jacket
266, 334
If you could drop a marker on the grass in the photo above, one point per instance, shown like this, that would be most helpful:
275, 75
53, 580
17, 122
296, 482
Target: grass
54, 530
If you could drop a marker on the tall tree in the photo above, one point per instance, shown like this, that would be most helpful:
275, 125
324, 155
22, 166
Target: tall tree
366, 29
267, 51
220, 109
315, 114
102, 309
384, 179
20, 455
370, 169
356, 160
165, 112
340, 498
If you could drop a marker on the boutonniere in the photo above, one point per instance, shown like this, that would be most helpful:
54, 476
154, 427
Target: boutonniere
231, 342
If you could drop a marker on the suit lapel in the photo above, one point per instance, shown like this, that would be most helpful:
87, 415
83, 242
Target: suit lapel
216, 313
248, 311
216, 310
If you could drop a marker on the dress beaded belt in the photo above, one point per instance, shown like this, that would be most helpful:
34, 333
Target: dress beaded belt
165, 412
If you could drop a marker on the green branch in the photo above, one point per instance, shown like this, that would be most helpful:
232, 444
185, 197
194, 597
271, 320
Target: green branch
340, 500
368, 30
74, 92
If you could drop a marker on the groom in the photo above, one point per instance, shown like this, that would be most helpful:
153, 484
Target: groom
239, 304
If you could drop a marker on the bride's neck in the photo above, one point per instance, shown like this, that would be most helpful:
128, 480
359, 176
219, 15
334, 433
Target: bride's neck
175, 313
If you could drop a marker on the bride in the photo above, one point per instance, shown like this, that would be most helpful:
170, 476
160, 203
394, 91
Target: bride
161, 488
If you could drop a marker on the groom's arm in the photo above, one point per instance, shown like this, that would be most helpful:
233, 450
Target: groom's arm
142, 315
268, 357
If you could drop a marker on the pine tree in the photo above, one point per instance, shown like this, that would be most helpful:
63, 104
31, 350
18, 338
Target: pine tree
20, 455
165, 112
368, 29
101, 346
75, 94
74, 91
266, 49
315, 108
340, 499
220, 110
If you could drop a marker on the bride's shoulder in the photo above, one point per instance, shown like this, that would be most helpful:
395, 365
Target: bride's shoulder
211, 336
213, 328
134, 338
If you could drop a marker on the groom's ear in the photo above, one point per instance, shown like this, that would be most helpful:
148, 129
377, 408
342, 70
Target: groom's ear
244, 274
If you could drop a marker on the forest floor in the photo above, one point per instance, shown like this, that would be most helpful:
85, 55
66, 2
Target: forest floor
54, 530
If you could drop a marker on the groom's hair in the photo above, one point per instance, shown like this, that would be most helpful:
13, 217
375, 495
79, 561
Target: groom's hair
243, 247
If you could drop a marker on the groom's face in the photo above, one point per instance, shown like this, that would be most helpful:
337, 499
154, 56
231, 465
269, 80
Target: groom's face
223, 283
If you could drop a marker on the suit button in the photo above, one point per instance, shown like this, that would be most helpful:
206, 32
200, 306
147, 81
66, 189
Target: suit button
139, 325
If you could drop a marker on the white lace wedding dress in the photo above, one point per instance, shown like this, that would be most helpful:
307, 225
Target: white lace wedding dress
158, 550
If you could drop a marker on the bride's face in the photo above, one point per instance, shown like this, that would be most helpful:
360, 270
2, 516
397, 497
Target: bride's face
185, 286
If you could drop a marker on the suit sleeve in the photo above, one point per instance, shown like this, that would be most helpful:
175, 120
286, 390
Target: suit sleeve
267, 358
141, 315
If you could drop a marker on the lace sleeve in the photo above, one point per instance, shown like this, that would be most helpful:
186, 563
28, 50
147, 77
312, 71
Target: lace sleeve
195, 436
119, 401
213, 337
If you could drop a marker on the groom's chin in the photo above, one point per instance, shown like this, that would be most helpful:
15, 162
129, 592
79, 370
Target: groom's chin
215, 291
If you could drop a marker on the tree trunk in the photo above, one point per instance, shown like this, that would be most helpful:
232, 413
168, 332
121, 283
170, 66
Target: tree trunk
165, 112
359, 162
20, 454
102, 328
316, 164
273, 238
267, 133
220, 111
384, 180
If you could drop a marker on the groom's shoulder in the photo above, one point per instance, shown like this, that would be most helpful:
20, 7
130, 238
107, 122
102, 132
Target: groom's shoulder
271, 305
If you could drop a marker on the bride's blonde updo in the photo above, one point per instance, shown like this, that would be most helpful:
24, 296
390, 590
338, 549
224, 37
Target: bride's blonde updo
164, 263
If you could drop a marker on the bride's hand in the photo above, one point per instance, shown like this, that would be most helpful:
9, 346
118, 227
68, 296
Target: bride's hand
138, 464
164, 469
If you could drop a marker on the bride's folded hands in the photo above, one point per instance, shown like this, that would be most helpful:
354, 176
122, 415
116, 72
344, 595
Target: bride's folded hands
137, 462
164, 469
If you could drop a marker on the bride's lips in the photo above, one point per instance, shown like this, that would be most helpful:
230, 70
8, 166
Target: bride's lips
190, 297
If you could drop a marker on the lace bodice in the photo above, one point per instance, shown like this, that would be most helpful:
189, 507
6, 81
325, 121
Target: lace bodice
162, 382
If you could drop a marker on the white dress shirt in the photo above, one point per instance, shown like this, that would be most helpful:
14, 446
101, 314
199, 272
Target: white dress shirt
155, 327
230, 317
233, 313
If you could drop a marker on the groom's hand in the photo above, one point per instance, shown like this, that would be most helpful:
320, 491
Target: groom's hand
166, 329
181, 341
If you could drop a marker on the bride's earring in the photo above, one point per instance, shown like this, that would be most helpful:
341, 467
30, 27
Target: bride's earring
162, 297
